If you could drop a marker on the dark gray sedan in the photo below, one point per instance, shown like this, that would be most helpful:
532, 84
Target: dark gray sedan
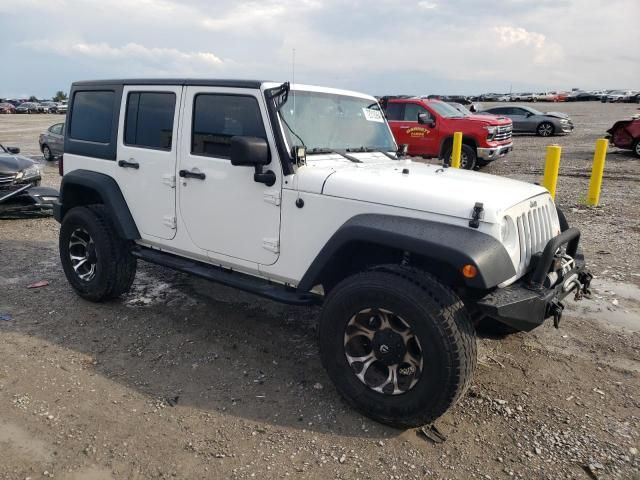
52, 141
530, 120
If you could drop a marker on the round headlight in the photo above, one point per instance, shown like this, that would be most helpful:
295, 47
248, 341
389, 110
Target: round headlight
508, 232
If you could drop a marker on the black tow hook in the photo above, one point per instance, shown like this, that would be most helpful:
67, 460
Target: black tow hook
585, 280
556, 309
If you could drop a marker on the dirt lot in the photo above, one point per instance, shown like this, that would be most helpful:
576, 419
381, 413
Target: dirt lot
185, 379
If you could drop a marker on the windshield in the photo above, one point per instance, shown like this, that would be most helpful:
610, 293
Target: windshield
445, 110
327, 121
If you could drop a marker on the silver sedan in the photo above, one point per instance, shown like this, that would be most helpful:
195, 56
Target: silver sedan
530, 120
52, 141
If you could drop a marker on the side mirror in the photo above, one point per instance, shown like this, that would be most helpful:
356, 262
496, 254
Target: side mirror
425, 119
13, 150
529, 114
249, 151
403, 149
253, 152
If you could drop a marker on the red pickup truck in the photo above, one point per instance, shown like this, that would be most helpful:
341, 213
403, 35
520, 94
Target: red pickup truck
427, 127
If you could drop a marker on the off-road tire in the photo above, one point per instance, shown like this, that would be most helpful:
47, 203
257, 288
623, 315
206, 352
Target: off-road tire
440, 322
543, 129
468, 152
115, 266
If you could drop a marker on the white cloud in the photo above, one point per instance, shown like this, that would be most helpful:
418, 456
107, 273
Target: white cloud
162, 59
427, 5
510, 36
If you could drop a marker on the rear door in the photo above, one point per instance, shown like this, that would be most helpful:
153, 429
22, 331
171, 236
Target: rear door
55, 138
146, 156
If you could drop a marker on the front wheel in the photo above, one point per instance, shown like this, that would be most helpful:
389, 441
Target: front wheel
398, 345
468, 157
545, 129
96, 261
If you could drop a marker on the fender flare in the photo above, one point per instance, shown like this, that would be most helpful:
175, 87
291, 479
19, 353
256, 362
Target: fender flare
453, 245
104, 188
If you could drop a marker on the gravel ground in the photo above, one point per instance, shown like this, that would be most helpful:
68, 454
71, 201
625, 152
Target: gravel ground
185, 379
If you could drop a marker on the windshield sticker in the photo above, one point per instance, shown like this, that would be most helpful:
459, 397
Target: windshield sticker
373, 115
417, 132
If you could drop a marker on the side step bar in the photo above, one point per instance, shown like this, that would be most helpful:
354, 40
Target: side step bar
230, 278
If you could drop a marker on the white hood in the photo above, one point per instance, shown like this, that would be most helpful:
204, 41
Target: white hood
427, 188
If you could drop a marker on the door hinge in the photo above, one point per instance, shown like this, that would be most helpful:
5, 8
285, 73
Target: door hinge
169, 221
271, 244
169, 179
272, 197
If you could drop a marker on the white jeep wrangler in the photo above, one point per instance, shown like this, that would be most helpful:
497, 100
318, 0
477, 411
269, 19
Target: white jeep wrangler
300, 194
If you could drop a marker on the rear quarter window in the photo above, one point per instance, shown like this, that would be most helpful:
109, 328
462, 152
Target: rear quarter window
92, 116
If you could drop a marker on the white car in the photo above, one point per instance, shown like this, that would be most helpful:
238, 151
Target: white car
299, 194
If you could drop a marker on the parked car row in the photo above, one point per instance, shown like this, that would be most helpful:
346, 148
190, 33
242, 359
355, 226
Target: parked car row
34, 107
576, 95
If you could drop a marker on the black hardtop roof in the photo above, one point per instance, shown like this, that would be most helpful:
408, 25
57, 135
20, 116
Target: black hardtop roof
207, 82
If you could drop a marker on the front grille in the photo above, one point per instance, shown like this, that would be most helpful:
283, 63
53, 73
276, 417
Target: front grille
535, 228
7, 179
503, 133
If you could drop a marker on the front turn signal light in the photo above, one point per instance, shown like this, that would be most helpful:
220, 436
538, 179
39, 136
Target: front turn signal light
469, 271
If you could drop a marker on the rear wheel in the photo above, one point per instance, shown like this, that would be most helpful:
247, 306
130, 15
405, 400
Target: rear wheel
399, 345
46, 153
545, 129
96, 261
636, 148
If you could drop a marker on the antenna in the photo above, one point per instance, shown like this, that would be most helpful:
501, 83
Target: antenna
293, 76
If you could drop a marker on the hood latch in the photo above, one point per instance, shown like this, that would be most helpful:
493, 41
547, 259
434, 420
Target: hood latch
478, 208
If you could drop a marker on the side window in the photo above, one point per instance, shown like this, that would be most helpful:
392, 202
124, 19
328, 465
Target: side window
394, 111
517, 111
218, 117
56, 129
92, 116
412, 110
499, 111
149, 119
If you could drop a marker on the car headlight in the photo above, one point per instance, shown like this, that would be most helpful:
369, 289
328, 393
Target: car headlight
33, 171
491, 131
508, 232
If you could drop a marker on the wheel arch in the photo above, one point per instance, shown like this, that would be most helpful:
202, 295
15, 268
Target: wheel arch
84, 187
448, 142
441, 249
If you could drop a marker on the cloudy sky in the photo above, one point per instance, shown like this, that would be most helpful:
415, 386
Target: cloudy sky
376, 46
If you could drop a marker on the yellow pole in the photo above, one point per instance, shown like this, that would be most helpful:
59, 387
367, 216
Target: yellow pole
595, 184
457, 150
551, 167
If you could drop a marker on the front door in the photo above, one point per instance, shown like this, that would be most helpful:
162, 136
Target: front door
147, 152
403, 120
224, 210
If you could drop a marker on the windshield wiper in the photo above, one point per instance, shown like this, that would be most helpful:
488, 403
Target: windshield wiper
372, 150
328, 150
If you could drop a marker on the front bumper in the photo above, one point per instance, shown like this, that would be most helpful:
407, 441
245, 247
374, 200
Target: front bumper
525, 304
566, 127
491, 153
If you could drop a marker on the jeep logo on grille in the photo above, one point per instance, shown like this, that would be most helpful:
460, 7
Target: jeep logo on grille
533, 204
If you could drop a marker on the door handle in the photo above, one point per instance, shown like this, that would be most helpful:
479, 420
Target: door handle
405, 126
189, 174
126, 164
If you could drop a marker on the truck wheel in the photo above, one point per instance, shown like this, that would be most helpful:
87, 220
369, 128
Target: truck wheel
545, 129
96, 261
398, 345
468, 157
